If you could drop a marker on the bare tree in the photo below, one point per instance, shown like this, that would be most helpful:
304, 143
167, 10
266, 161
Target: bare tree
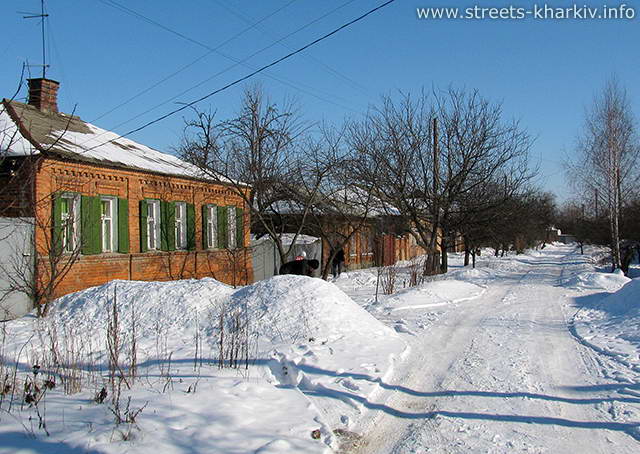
253, 153
431, 159
56, 241
393, 149
339, 209
606, 168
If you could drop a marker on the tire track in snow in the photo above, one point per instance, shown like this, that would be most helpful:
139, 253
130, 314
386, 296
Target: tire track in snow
509, 369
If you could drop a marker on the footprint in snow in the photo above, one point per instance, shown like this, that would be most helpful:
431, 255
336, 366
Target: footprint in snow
402, 328
349, 384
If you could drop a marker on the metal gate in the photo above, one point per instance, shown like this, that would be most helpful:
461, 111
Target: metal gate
16, 266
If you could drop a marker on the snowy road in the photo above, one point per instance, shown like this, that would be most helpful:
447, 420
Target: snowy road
503, 373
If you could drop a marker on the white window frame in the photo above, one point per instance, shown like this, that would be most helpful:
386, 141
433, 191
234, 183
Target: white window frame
181, 225
369, 245
153, 225
111, 218
71, 242
353, 252
231, 227
212, 226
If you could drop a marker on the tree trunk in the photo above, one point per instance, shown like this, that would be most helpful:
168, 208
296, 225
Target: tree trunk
327, 265
444, 262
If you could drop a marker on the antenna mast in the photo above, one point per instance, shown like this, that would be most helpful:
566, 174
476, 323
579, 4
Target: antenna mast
42, 16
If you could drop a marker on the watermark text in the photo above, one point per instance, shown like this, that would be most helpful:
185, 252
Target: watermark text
542, 11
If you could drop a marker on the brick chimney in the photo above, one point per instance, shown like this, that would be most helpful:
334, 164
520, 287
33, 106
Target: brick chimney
43, 94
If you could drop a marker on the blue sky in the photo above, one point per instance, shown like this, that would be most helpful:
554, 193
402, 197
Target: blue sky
544, 72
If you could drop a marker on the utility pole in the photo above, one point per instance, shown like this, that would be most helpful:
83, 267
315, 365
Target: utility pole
436, 196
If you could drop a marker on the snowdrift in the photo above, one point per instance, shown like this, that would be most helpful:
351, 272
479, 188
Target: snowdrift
612, 326
432, 294
311, 345
592, 280
290, 309
317, 339
173, 311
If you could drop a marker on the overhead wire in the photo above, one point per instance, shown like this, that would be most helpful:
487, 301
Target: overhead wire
187, 66
338, 74
253, 73
236, 63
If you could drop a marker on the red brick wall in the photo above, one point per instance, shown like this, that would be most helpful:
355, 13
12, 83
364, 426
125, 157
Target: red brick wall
16, 187
87, 271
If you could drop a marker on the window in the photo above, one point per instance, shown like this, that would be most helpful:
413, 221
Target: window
231, 227
166, 226
352, 244
223, 227
212, 226
370, 242
108, 223
70, 214
181, 225
90, 224
153, 224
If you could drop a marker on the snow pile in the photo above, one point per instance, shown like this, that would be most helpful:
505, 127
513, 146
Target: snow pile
173, 309
290, 309
319, 340
591, 280
478, 276
612, 325
315, 357
357, 278
437, 293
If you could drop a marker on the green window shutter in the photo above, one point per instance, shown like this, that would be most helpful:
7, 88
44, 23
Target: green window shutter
171, 224
239, 227
191, 227
56, 233
123, 225
90, 233
222, 228
167, 226
205, 231
163, 226
144, 208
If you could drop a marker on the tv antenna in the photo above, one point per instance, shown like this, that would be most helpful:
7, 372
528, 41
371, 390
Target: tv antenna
41, 16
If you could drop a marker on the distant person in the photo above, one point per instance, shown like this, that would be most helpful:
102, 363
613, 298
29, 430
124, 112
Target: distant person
336, 263
302, 267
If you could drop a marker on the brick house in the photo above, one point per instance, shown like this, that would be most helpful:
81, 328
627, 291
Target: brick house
380, 237
113, 208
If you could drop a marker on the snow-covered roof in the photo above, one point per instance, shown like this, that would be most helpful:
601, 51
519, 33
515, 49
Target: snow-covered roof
12, 143
356, 201
349, 200
27, 130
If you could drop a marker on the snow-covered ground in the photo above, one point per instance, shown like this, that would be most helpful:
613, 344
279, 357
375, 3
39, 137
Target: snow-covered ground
529, 353
510, 371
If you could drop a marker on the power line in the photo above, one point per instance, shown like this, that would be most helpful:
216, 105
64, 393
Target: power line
248, 76
237, 62
330, 69
185, 67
